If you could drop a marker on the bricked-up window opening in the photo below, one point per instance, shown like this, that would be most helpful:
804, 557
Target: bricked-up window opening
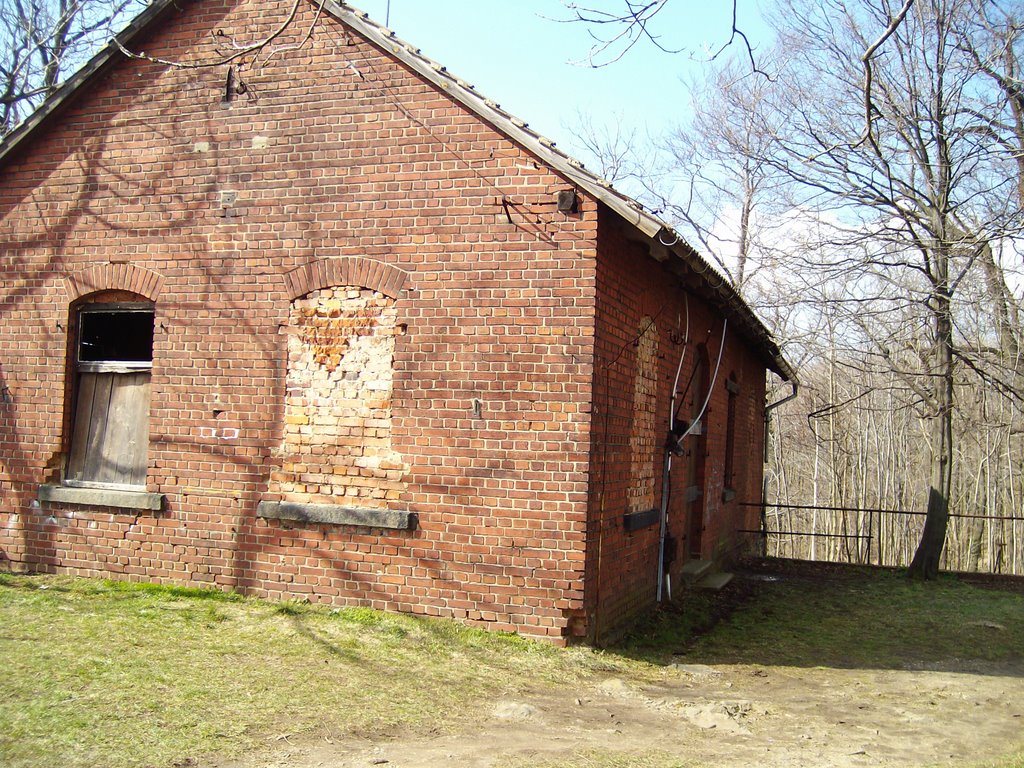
337, 433
643, 439
112, 365
730, 434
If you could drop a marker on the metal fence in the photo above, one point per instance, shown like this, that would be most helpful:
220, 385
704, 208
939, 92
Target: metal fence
974, 542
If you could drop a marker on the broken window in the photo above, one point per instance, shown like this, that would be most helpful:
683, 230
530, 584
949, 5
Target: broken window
112, 364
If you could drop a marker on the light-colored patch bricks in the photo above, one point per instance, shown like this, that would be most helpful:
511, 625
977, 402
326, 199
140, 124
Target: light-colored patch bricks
337, 434
642, 437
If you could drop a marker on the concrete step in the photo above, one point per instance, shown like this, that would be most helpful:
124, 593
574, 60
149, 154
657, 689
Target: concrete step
714, 581
695, 570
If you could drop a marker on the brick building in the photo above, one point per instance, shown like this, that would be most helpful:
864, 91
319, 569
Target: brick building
323, 322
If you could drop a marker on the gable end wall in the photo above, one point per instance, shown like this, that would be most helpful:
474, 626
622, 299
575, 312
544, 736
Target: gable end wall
335, 166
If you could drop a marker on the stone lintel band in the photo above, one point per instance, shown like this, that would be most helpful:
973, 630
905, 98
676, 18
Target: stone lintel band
336, 515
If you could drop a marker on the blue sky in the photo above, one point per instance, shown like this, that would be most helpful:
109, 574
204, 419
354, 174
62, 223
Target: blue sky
517, 54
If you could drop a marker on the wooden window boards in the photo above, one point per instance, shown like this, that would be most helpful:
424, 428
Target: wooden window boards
113, 360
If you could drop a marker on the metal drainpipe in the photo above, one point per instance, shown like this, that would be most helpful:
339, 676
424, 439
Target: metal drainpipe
764, 484
771, 407
667, 470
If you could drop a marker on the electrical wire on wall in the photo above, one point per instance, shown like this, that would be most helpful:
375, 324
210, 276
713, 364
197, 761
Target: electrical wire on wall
672, 442
666, 479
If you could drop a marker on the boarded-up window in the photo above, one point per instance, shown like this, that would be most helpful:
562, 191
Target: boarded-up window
733, 389
113, 359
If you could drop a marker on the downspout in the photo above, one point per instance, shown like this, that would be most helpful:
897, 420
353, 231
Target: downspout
764, 482
772, 406
667, 467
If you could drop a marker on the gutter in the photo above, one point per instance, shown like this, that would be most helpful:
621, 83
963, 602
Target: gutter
764, 483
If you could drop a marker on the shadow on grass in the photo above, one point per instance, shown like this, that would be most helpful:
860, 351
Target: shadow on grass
370, 638
325, 643
786, 613
51, 583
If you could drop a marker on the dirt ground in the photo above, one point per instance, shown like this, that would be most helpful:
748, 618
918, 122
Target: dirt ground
960, 713
723, 715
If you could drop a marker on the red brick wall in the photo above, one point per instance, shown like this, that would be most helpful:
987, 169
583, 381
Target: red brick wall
150, 183
622, 566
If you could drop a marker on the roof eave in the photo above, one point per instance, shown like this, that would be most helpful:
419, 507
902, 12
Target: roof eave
660, 236
107, 56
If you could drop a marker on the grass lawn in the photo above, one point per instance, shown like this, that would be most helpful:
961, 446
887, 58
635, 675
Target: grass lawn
822, 615
100, 673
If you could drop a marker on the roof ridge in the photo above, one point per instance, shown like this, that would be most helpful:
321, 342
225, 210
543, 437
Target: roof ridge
661, 235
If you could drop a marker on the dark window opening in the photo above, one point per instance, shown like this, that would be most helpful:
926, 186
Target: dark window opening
730, 435
117, 335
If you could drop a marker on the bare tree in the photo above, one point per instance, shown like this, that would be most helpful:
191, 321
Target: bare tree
622, 156
708, 178
726, 196
44, 41
616, 31
894, 132
913, 194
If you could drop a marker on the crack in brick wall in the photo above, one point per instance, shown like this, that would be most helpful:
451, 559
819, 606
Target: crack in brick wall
337, 440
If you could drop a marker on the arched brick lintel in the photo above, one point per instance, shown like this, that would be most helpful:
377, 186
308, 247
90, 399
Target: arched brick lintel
347, 270
113, 277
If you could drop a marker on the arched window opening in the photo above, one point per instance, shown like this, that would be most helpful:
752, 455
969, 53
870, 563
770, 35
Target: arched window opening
113, 360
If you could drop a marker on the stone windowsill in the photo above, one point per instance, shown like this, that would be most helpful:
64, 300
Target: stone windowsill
335, 515
637, 521
101, 497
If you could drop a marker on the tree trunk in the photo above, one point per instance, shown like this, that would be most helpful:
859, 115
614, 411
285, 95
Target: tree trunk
975, 545
925, 564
